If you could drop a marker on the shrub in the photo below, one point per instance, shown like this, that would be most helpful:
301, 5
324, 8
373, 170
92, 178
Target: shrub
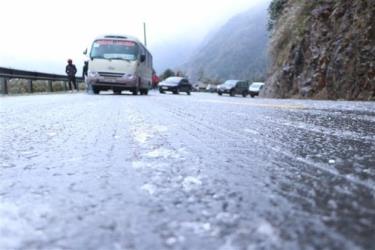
167, 73
275, 10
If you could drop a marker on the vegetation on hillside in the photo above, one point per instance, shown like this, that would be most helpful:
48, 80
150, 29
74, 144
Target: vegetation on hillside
275, 10
322, 49
167, 73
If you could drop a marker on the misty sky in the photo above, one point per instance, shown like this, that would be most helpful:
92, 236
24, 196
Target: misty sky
42, 34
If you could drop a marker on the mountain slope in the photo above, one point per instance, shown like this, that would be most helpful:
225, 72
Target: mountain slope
323, 49
236, 51
170, 54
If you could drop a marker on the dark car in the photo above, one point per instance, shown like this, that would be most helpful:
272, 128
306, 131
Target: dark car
175, 85
234, 87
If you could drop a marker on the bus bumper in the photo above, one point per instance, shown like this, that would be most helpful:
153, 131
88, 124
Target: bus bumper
126, 83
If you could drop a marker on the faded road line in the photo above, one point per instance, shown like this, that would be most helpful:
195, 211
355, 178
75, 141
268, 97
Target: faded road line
273, 106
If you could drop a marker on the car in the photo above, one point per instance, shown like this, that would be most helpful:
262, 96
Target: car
175, 85
195, 87
255, 88
234, 87
211, 88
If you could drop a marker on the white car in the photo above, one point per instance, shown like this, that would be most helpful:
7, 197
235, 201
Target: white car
211, 88
255, 88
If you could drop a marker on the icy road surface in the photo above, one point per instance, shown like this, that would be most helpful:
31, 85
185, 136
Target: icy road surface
185, 172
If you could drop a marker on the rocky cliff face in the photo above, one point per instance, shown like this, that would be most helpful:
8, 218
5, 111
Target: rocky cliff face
323, 49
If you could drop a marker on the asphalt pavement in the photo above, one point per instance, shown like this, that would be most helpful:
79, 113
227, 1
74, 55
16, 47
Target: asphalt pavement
200, 172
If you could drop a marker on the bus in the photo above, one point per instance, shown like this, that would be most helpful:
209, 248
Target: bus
118, 63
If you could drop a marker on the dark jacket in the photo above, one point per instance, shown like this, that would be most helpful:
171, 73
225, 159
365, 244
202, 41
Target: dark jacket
71, 70
85, 69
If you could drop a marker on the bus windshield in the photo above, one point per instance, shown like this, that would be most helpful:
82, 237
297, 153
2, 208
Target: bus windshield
114, 49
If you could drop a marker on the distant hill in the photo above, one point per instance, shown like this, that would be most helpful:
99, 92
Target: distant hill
173, 53
238, 50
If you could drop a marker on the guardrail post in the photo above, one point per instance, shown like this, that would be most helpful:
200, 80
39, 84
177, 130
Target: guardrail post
49, 86
5, 86
30, 86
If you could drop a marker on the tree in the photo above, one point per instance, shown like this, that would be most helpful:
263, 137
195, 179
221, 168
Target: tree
275, 10
167, 73
201, 75
181, 73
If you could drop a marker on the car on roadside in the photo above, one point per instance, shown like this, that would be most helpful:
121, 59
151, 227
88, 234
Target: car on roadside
234, 87
211, 88
195, 88
175, 85
255, 88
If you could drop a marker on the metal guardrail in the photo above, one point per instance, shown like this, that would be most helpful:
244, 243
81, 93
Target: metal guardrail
7, 74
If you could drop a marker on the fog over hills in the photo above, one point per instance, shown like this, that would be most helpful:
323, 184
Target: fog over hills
173, 53
238, 50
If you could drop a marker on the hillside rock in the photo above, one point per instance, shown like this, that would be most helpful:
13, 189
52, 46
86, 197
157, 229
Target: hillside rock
324, 50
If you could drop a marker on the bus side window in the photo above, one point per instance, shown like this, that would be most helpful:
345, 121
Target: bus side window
149, 60
141, 53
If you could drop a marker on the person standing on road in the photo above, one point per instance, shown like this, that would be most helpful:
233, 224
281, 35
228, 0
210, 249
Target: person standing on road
85, 69
84, 73
155, 80
71, 71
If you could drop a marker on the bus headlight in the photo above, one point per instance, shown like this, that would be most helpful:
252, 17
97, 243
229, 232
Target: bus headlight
129, 77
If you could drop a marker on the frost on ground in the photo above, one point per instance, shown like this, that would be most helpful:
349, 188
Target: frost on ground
18, 225
185, 172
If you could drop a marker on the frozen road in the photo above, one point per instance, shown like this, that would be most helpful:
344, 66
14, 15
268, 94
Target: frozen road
185, 172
